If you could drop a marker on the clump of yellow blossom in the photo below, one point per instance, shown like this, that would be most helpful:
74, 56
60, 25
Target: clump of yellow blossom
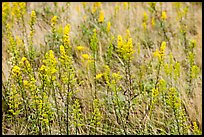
163, 16
16, 70
85, 56
66, 36
101, 17
80, 48
98, 76
95, 6
108, 26
160, 53
54, 21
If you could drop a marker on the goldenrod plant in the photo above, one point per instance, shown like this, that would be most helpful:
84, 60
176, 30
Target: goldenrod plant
97, 68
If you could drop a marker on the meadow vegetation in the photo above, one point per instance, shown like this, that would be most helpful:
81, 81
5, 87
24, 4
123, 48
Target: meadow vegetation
101, 68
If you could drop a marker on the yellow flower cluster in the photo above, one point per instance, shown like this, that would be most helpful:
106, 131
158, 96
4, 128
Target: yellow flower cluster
64, 59
80, 48
153, 22
54, 21
145, 17
177, 70
163, 16
18, 9
160, 53
33, 17
19, 41
126, 49
174, 100
108, 26
43, 68
85, 56
97, 117
16, 71
24, 63
15, 10
194, 71
116, 77
196, 130
32, 22
94, 41
192, 43
144, 25
50, 62
14, 101
107, 74
98, 76
155, 92
95, 6
120, 41
144, 21
66, 36
101, 17
5, 11
77, 115
162, 48
25, 83
22, 6
125, 5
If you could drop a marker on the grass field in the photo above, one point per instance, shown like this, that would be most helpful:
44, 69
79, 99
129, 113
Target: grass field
102, 68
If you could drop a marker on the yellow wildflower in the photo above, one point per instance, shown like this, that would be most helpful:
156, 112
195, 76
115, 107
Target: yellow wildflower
23, 59
194, 71
22, 6
16, 70
86, 56
163, 16
19, 41
42, 68
33, 17
160, 53
116, 76
193, 43
95, 6
25, 83
120, 41
62, 51
98, 76
162, 48
196, 130
144, 25
145, 17
153, 22
5, 11
101, 17
156, 53
54, 20
33, 14
108, 26
66, 35
125, 5
80, 48
53, 70
155, 92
